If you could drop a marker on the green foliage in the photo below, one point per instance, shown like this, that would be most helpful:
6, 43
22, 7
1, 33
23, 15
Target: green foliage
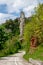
11, 46
39, 12
38, 54
3, 38
34, 27
9, 32
12, 26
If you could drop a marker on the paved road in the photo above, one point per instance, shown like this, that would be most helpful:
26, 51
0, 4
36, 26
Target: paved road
15, 59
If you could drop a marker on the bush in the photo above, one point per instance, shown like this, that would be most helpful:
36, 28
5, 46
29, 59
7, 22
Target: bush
11, 46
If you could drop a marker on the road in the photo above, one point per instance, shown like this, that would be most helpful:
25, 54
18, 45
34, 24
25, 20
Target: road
16, 59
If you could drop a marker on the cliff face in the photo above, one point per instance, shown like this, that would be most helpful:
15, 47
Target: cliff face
22, 22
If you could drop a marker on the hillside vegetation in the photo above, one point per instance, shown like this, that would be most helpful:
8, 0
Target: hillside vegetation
9, 37
34, 27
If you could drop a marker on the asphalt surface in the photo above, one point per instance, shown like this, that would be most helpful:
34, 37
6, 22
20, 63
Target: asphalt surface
16, 59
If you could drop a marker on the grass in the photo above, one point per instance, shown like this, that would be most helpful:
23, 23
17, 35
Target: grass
38, 54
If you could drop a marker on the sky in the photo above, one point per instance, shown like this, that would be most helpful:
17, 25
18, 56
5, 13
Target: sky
10, 9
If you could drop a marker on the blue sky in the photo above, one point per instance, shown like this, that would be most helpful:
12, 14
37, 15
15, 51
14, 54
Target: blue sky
10, 9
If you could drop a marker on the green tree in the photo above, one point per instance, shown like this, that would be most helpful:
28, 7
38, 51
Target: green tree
3, 38
12, 26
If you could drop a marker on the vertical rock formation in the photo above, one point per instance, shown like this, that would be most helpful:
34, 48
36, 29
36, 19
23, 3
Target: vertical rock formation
22, 22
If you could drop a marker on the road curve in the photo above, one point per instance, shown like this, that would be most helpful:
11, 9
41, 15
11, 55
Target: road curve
16, 59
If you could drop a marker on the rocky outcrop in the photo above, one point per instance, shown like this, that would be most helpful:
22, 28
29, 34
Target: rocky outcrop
22, 22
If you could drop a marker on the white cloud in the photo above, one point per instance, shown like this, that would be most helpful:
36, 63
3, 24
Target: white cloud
28, 10
3, 17
6, 1
21, 4
15, 6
